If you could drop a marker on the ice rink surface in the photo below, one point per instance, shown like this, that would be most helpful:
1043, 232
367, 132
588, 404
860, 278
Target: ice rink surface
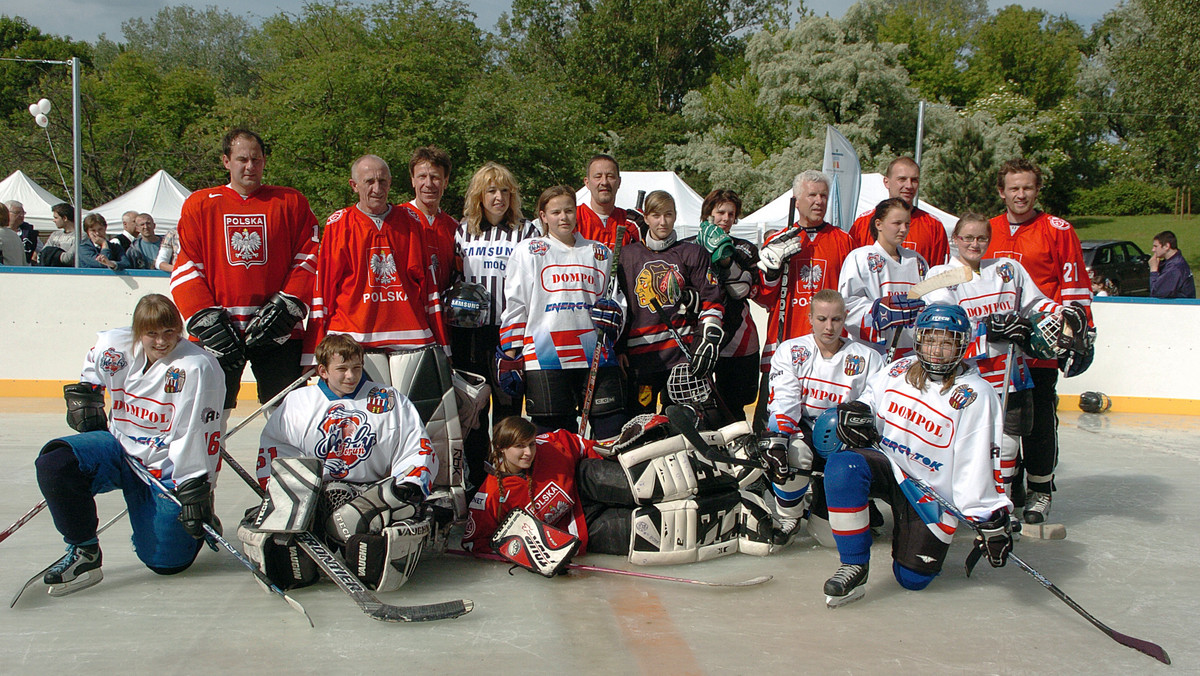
1127, 494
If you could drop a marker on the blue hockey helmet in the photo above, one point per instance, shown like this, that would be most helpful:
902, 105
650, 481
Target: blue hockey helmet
941, 335
824, 431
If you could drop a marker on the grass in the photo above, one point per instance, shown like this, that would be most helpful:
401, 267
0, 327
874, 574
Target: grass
1142, 229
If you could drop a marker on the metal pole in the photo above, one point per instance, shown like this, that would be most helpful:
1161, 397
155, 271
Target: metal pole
75, 126
920, 141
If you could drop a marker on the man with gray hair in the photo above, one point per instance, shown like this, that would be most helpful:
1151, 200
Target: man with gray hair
142, 252
797, 262
130, 235
29, 236
12, 251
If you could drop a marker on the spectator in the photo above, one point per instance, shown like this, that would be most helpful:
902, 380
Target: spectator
1103, 286
142, 253
168, 248
1170, 275
129, 224
95, 251
60, 246
12, 250
29, 236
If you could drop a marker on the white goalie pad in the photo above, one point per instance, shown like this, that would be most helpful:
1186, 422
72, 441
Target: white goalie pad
291, 496
387, 560
473, 395
737, 440
757, 529
669, 469
685, 531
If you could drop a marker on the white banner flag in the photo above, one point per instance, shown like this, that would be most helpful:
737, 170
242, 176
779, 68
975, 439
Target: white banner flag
841, 165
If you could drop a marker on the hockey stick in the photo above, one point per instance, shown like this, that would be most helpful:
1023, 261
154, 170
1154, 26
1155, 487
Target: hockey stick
215, 537
23, 520
783, 281
687, 354
1152, 649
679, 419
348, 582
487, 556
594, 368
45, 570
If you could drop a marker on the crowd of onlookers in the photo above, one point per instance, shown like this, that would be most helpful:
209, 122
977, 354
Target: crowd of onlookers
138, 247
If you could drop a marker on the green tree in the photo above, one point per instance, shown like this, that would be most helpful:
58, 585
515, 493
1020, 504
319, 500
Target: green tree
210, 40
1037, 55
19, 40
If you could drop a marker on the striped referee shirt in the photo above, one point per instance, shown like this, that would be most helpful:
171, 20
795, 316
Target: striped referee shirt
485, 259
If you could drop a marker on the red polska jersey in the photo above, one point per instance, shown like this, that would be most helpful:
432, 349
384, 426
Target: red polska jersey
926, 235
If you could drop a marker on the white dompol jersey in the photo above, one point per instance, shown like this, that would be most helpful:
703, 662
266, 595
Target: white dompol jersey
868, 274
804, 383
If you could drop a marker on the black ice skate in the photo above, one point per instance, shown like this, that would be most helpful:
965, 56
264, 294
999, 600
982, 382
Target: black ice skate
1037, 507
78, 570
846, 585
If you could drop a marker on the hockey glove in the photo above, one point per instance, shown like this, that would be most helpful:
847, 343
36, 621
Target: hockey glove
637, 218
1009, 327
745, 254
716, 242
1074, 318
607, 317
704, 353
995, 539
214, 329
510, 373
85, 407
689, 303
856, 425
195, 505
274, 321
773, 447
776, 254
895, 311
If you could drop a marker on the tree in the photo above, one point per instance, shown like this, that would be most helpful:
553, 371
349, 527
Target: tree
210, 40
20, 40
1036, 55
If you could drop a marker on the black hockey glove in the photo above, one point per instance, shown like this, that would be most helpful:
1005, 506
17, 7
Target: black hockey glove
705, 352
195, 505
274, 320
856, 425
773, 447
85, 407
1074, 318
995, 539
1008, 327
745, 254
214, 329
688, 303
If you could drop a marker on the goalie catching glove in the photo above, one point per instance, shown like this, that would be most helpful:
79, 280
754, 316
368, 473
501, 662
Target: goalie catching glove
85, 407
534, 545
856, 425
214, 329
705, 352
895, 311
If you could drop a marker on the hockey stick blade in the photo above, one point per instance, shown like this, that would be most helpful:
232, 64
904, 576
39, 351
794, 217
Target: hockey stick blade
23, 520
348, 582
682, 422
754, 581
956, 275
1044, 531
45, 570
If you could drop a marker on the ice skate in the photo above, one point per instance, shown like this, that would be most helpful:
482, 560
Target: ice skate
846, 585
1037, 507
77, 570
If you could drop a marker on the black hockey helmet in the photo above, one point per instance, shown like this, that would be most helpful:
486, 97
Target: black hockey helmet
467, 305
1094, 402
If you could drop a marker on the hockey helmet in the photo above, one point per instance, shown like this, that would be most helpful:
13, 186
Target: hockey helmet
824, 433
467, 305
1094, 402
1043, 342
939, 321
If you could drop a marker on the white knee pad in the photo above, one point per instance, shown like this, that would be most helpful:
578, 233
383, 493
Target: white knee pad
685, 531
1010, 448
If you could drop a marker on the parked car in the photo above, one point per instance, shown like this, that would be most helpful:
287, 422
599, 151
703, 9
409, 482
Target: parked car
1119, 261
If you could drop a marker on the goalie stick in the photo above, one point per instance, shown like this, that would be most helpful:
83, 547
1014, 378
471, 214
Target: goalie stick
348, 582
215, 537
955, 275
1152, 649
678, 417
631, 573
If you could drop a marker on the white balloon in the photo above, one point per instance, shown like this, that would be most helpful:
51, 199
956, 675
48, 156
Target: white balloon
33, 109
42, 120
44, 106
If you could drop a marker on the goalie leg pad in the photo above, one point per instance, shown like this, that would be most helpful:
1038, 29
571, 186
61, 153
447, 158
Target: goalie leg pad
534, 545
285, 564
425, 377
291, 496
385, 561
373, 510
685, 531
738, 441
472, 396
669, 470
756, 529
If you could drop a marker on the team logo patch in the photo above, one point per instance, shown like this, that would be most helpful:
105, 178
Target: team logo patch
855, 364
246, 239
470, 529
346, 440
552, 503
174, 381
922, 267
811, 273
962, 397
383, 267
1005, 271
900, 367
381, 400
335, 217
658, 280
111, 362
645, 395
1058, 223
600, 252
538, 247
800, 354
875, 262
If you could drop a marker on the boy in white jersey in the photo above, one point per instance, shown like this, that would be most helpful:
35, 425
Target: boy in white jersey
808, 375
371, 447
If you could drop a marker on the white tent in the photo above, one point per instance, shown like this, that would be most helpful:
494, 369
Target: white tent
687, 201
773, 215
161, 196
36, 199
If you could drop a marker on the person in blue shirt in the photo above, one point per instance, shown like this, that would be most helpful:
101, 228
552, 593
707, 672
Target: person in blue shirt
1170, 275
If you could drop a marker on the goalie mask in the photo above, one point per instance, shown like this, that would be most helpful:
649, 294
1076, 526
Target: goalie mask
467, 305
941, 335
1043, 342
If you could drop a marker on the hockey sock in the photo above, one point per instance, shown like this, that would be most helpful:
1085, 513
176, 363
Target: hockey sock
847, 488
68, 492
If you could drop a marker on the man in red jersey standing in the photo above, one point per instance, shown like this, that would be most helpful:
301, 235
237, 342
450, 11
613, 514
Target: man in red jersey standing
243, 279
599, 219
429, 169
926, 234
1049, 249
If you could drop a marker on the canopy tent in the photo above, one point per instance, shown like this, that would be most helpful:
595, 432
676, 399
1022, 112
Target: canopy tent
773, 215
161, 196
687, 201
36, 199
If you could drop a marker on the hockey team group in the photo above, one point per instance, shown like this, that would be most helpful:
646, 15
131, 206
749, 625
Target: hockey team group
578, 383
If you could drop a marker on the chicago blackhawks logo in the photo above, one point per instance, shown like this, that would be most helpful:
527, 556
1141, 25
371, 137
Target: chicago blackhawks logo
875, 262
381, 400
112, 361
246, 239
1005, 272
174, 380
855, 364
811, 274
346, 440
538, 247
383, 267
962, 397
800, 355
658, 280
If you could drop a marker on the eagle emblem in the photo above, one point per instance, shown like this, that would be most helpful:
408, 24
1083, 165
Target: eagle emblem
811, 274
383, 268
246, 239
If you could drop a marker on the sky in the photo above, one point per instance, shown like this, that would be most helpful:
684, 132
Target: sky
88, 19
